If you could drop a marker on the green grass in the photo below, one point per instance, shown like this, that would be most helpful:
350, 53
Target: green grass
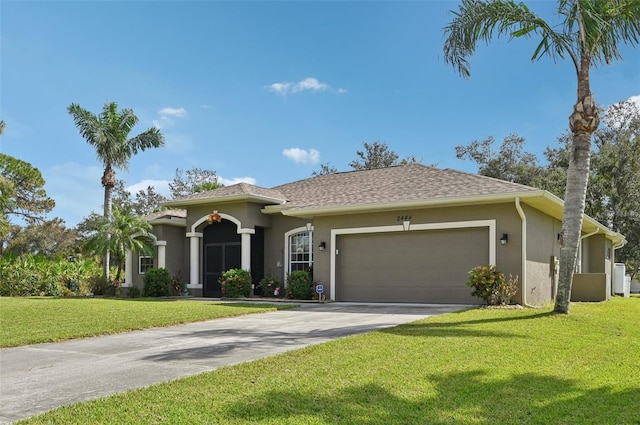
34, 320
481, 366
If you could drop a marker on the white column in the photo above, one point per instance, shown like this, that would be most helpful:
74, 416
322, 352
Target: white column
194, 260
128, 269
162, 256
245, 261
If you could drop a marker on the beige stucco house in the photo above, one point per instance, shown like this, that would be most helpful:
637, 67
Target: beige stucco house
408, 233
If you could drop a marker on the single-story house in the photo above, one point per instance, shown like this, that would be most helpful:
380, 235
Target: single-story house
408, 233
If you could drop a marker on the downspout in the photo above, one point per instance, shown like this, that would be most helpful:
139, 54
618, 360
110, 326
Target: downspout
523, 232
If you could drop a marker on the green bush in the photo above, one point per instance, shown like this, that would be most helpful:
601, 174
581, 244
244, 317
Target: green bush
133, 292
300, 285
28, 275
236, 283
491, 285
156, 282
270, 286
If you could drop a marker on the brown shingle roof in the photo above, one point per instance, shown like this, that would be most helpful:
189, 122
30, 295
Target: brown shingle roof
398, 184
240, 190
166, 214
402, 183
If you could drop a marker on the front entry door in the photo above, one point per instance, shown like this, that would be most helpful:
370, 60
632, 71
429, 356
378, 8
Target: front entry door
222, 250
219, 257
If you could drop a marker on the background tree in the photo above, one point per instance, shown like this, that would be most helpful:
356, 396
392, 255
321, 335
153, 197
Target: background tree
378, 155
614, 189
325, 169
127, 231
108, 133
510, 162
49, 239
588, 34
22, 190
192, 181
142, 203
2, 126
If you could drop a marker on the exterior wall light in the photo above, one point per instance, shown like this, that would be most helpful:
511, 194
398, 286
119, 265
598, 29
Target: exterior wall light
322, 246
504, 239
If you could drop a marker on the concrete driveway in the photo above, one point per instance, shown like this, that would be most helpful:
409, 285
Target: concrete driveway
41, 377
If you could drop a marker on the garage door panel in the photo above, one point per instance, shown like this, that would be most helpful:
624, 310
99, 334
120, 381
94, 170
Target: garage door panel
417, 266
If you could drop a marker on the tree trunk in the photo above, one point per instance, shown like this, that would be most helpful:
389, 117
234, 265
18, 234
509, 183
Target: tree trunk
108, 181
583, 122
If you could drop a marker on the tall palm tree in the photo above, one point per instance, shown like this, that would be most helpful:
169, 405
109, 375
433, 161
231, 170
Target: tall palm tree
108, 133
588, 33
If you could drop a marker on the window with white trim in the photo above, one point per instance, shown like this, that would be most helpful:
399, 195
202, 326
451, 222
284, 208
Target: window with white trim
144, 263
300, 251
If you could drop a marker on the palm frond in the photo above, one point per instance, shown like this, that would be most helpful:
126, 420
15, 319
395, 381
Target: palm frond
477, 21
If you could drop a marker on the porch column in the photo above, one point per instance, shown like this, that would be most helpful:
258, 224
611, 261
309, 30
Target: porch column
245, 262
128, 269
194, 260
162, 245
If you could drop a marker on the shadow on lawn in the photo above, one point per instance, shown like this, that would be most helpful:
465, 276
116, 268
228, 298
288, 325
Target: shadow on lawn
428, 328
461, 397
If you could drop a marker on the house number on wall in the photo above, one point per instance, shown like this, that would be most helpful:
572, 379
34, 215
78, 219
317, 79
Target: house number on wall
403, 218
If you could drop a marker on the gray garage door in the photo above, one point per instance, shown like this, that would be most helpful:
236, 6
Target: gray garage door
428, 266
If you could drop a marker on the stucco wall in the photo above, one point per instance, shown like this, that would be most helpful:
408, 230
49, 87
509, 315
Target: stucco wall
542, 249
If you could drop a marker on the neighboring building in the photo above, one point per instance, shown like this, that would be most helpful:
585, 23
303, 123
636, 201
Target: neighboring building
408, 233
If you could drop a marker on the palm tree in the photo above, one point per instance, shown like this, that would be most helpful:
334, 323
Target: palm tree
588, 33
126, 231
108, 133
2, 126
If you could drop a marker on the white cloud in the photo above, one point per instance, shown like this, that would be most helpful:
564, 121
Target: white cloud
168, 116
160, 186
235, 180
308, 84
301, 156
636, 100
175, 112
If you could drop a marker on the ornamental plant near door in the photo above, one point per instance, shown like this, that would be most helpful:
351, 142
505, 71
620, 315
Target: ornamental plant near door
236, 283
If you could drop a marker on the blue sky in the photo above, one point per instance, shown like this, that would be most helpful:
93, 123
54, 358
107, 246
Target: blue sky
265, 92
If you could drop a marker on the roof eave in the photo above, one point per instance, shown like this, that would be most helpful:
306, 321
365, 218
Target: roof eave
223, 200
171, 221
441, 202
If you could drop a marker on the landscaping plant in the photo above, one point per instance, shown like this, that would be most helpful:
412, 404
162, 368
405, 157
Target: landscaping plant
299, 285
236, 283
491, 285
156, 282
270, 286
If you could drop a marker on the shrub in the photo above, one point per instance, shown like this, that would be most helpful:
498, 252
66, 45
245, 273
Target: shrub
236, 283
176, 283
27, 275
490, 284
270, 286
100, 285
156, 282
133, 292
299, 285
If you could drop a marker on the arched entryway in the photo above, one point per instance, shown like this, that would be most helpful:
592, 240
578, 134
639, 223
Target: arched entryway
222, 250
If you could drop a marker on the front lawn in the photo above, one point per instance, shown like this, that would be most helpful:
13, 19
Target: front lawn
482, 366
33, 320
